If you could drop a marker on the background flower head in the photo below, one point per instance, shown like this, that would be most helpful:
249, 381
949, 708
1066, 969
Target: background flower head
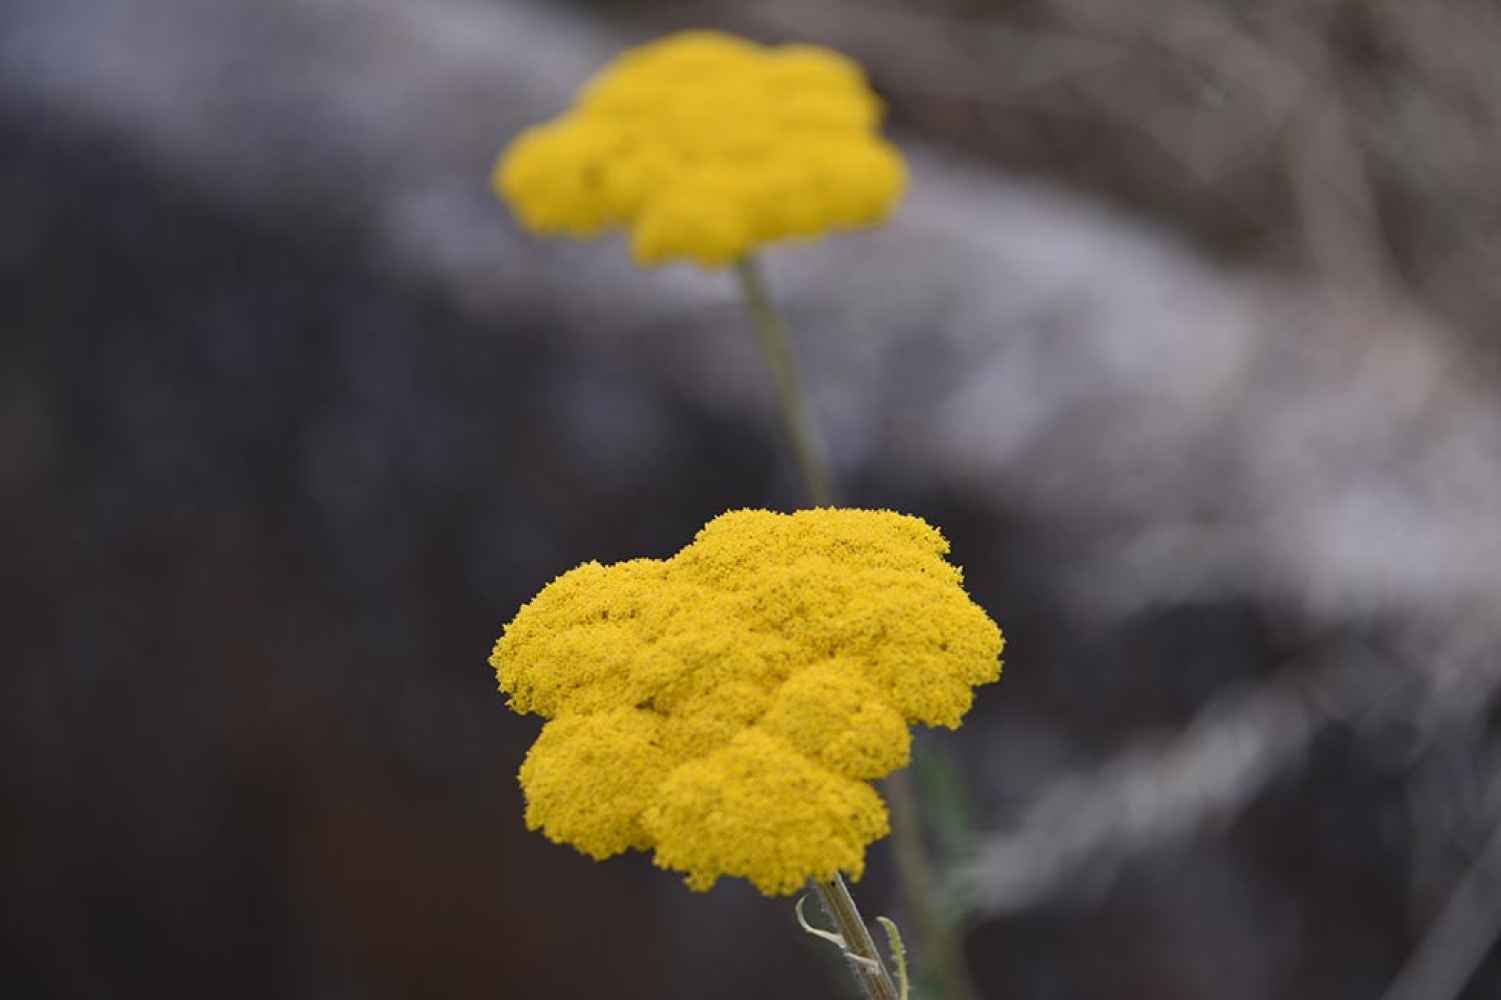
728, 707
706, 146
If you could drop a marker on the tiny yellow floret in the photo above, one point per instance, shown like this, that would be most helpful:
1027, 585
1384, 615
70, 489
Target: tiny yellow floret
727, 708
706, 146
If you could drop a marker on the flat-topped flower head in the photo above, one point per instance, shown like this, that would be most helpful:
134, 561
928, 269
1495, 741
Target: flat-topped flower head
706, 146
727, 708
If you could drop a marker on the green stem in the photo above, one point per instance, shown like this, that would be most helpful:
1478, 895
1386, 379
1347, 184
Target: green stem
771, 332
936, 934
942, 948
870, 972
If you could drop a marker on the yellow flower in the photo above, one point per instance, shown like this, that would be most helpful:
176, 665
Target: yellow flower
728, 707
706, 146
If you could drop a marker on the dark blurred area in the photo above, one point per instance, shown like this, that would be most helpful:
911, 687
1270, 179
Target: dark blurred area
1185, 339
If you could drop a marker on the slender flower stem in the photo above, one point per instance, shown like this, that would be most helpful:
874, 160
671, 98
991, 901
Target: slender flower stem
937, 937
869, 970
772, 334
944, 952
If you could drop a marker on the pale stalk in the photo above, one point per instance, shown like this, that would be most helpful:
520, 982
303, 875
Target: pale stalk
771, 332
870, 972
945, 955
913, 866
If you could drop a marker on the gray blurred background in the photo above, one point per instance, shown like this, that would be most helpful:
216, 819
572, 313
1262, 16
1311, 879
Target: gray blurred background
1186, 336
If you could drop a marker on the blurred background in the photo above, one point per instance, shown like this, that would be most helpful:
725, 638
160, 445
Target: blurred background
1186, 336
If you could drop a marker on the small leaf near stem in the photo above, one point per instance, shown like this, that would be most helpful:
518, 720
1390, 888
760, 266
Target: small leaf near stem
898, 954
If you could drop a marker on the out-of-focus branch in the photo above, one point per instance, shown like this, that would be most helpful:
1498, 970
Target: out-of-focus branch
1458, 940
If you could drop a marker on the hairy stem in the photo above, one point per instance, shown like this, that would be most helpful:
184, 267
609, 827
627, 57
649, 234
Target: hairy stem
866, 965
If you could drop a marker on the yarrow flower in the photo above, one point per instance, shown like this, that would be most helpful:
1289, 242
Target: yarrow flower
706, 146
727, 707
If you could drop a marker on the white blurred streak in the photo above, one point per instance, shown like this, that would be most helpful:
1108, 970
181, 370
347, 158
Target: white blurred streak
1457, 942
1139, 799
1087, 824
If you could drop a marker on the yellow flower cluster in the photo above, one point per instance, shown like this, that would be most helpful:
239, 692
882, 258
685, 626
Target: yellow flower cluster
727, 707
706, 146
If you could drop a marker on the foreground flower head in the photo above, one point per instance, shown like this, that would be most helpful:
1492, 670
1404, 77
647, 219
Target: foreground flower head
728, 707
706, 146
